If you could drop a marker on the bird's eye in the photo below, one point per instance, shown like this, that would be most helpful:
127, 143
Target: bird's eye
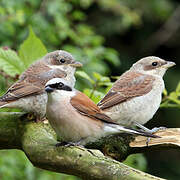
60, 84
154, 63
62, 60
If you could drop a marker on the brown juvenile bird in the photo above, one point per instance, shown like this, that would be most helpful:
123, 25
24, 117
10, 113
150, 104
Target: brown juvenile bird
136, 95
28, 92
76, 118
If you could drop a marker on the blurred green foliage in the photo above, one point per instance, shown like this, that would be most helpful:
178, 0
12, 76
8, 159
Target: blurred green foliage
97, 33
172, 99
14, 165
137, 161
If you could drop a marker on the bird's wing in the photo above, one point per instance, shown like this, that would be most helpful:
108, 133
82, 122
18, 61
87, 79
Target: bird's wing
130, 85
85, 106
21, 89
32, 82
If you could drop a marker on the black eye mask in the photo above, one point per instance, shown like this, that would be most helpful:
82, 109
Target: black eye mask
60, 86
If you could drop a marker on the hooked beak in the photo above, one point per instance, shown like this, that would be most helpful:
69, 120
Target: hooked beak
76, 64
48, 89
169, 64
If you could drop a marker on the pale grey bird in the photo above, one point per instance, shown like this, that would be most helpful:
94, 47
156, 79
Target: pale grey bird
136, 95
28, 92
76, 118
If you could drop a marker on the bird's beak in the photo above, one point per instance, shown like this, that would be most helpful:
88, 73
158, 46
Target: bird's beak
76, 64
169, 64
48, 89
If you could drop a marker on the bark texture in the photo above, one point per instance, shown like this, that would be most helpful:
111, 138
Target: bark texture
38, 140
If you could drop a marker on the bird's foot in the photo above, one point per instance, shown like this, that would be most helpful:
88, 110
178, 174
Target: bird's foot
68, 144
155, 129
152, 131
74, 144
77, 144
61, 144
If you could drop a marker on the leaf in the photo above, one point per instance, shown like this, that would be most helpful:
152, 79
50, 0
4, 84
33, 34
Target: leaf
137, 161
112, 56
10, 63
97, 76
102, 80
178, 88
115, 77
85, 75
108, 84
97, 95
165, 92
174, 97
31, 49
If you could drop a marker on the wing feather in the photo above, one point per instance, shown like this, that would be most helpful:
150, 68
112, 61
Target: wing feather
32, 81
85, 106
130, 84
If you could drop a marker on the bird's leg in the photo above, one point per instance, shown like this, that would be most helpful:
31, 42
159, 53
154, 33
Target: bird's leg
63, 143
155, 129
78, 143
147, 141
68, 144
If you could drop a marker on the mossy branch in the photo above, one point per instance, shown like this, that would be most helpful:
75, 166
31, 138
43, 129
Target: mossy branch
38, 140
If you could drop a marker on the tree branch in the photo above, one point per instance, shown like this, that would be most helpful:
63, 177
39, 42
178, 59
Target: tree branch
38, 141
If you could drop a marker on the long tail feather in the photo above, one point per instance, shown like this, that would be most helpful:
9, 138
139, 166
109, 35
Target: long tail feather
121, 129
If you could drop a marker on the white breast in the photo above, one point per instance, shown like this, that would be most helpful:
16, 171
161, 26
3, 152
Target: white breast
34, 104
67, 122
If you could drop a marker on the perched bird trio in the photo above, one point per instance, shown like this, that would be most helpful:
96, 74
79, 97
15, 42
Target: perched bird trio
46, 89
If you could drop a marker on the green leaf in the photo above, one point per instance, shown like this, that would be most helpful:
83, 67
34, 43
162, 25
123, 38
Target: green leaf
31, 49
96, 96
101, 79
108, 84
85, 76
10, 63
137, 161
165, 92
97, 76
112, 56
174, 97
178, 88
115, 77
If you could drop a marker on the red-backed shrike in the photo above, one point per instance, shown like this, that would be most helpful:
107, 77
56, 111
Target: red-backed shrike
76, 118
28, 93
136, 95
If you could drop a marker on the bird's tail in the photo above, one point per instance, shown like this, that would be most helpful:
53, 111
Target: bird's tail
121, 129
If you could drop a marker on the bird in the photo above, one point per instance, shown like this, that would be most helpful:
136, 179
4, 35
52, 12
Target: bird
136, 96
28, 92
76, 118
